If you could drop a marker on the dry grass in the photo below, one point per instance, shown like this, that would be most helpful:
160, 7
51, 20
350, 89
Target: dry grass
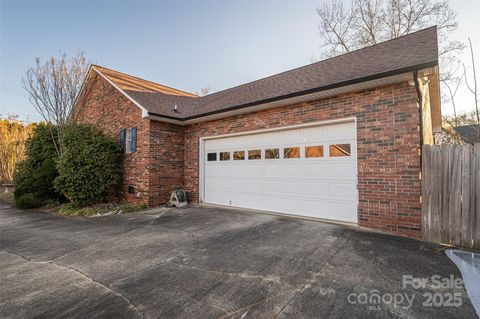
8, 197
96, 210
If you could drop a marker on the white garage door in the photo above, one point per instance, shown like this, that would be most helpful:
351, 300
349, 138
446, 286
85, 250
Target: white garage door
306, 171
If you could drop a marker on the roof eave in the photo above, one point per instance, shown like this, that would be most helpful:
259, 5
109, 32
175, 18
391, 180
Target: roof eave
198, 118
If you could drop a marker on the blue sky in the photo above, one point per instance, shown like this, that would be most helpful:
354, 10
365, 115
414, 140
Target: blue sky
183, 44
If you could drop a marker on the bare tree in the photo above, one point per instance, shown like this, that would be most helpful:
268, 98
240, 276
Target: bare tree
52, 88
367, 22
452, 87
473, 89
203, 91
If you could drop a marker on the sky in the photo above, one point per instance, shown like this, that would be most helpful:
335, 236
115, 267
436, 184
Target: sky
183, 44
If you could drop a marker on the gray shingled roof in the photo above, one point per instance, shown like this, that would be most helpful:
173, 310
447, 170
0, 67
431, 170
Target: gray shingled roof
469, 133
404, 54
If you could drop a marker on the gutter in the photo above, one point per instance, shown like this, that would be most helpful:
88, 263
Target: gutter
305, 92
420, 111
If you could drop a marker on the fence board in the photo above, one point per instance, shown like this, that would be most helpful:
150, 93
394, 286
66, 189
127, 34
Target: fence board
466, 195
427, 193
436, 193
451, 195
445, 184
476, 195
456, 194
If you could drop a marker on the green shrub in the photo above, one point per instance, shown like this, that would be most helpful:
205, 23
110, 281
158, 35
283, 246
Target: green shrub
89, 167
26, 201
35, 175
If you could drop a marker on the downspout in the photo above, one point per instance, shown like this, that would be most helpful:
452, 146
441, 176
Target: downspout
420, 110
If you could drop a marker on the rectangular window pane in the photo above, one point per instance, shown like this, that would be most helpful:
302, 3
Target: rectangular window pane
340, 150
254, 154
314, 151
291, 152
211, 157
224, 156
272, 153
128, 144
239, 155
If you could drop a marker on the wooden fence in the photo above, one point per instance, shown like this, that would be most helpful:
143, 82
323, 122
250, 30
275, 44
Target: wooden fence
451, 195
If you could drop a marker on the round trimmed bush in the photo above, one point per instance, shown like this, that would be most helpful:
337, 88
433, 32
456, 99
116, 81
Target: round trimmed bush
90, 165
26, 201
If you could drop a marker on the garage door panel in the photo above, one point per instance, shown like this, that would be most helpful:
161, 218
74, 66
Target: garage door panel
341, 170
217, 184
316, 189
251, 170
322, 187
218, 170
273, 186
318, 134
329, 210
274, 204
248, 201
342, 191
317, 208
271, 170
342, 211
290, 136
293, 188
340, 131
292, 170
319, 169
293, 206
245, 186
218, 197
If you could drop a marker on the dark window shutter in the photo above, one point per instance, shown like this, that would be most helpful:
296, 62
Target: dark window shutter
133, 147
122, 138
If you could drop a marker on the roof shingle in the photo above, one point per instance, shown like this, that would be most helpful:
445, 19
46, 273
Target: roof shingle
395, 56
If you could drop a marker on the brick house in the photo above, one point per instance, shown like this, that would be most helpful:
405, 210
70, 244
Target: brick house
339, 139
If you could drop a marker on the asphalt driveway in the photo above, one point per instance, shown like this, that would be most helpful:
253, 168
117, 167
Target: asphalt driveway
216, 263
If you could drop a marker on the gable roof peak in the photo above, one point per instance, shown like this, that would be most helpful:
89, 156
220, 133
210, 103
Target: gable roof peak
128, 82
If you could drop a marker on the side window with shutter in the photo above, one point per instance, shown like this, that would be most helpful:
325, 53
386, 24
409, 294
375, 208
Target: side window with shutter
133, 147
128, 139
122, 139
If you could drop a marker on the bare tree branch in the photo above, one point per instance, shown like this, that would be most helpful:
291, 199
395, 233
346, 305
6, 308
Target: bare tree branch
474, 90
203, 91
53, 87
367, 22
452, 97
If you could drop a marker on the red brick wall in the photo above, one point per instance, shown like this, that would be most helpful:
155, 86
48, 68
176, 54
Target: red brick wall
388, 149
106, 107
166, 161
156, 168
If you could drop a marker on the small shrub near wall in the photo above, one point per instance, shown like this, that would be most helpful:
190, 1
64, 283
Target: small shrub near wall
90, 165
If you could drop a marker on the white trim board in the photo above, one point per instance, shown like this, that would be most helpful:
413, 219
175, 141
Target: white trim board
144, 110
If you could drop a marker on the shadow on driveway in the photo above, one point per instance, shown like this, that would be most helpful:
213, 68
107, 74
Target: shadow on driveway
216, 263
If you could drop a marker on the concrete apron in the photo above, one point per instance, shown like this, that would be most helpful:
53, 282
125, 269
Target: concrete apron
469, 265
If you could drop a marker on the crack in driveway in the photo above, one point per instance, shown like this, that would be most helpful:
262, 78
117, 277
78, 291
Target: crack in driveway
307, 284
241, 275
51, 262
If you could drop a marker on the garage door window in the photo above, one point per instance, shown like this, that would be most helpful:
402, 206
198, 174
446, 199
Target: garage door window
314, 151
238, 155
337, 150
211, 157
272, 153
254, 154
224, 156
291, 152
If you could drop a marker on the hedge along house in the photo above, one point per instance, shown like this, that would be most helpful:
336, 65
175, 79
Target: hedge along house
339, 139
